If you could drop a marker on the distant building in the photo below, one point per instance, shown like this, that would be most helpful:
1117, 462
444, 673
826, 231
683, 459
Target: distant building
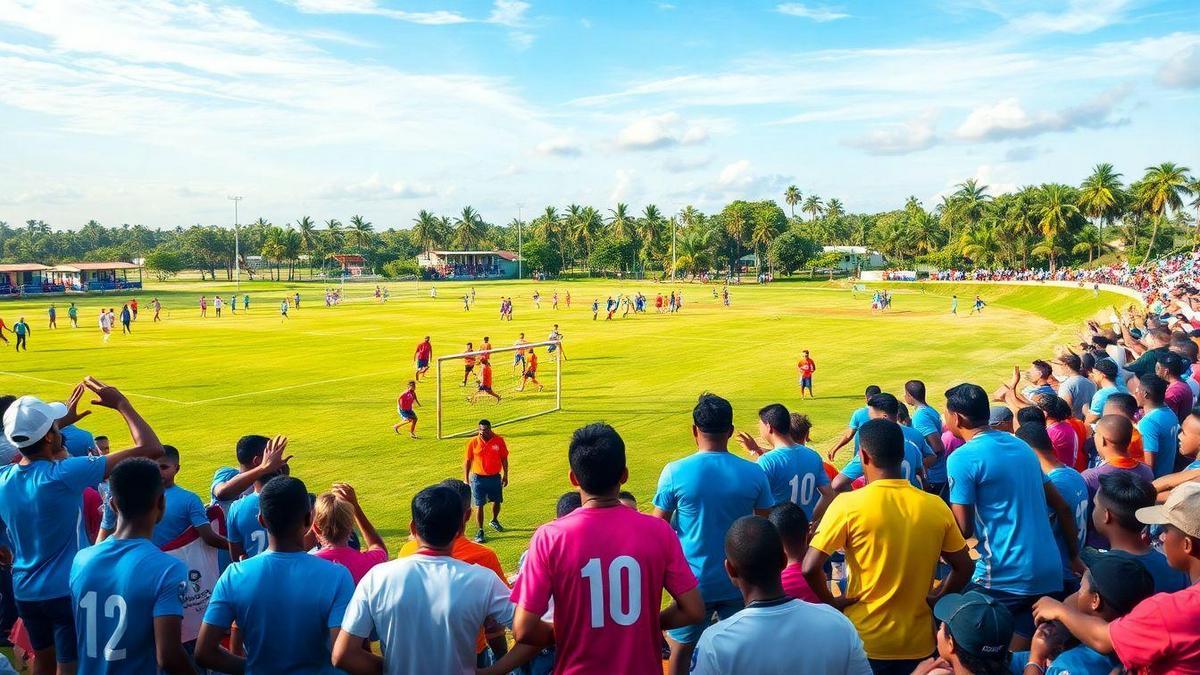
470, 264
81, 277
856, 257
353, 265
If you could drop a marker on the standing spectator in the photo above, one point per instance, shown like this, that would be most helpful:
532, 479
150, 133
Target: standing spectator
288, 604
485, 469
1071, 487
857, 418
749, 641
793, 528
1114, 517
1105, 376
999, 495
426, 608
928, 422
147, 582
78, 441
247, 533
1160, 634
893, 535
40, 501
1159, 425
703, 494
605, 567
917, 453
1073, 387
794, 472
22, 331
256, 456
1178, 397
336, 513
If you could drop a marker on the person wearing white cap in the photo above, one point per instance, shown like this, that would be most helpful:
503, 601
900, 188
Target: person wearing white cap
41, 501
1162, 633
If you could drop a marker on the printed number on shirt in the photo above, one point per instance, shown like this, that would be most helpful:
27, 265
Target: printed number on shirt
906, 470
624, 607
1081, 516
802, 492
114, 606
259, 537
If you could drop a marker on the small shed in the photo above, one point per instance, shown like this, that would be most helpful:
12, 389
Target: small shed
96, 276
471, 264
19, 278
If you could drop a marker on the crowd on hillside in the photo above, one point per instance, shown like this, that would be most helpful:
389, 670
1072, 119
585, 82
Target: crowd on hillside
1073, 486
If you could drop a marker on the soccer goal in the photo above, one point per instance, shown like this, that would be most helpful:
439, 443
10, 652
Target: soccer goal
461, 401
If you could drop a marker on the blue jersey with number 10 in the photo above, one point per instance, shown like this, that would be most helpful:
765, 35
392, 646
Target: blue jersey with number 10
794, 475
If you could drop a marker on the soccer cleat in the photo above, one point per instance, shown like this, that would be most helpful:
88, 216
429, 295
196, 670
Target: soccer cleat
479, 538
496, 525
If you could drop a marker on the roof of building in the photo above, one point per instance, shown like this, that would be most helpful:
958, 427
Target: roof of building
94, 266
23, 267
858, 250
507, 255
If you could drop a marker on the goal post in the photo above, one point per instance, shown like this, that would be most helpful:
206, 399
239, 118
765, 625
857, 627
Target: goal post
461, 403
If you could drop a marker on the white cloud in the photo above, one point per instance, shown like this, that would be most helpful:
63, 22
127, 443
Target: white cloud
1181, 70
625, 186
1007, 118
50, 194
1079, 16
899, 138
371, 7
560, 146
818, 13
734, 174
509, 13
685, 164
665, 6
654, 132
375, 189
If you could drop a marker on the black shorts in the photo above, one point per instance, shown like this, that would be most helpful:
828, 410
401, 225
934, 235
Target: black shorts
531, 374
468, 368
50, 623
484, 387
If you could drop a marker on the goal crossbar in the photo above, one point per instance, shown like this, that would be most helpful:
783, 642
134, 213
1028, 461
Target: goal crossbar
440, 379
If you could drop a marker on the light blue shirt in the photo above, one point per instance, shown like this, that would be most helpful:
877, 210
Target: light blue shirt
708, 491
284, 604
999, 475
1101, 397
78, 442
927, 421
857, 419
42, 504
1073, 488
243, 526
1160, 437
183, 510
222, 475
916, 449
794, 475
1167, 579
118, 588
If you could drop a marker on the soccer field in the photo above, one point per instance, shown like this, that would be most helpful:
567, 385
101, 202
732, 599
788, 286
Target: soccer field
328, 377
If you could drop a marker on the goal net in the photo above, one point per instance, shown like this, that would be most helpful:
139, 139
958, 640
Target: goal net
515, 394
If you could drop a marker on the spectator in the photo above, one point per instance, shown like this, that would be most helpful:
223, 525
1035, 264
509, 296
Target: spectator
1113, 434
974, 636
336, 513
1105, 377
793, 471
792, 525
1039, 376
1178, 397
613, 545
927, 421
1072, 488
79, 442
858, 418
1160, 634
1125, 405
247, 533
288, 604
229, 484
749, 641
426, 608
917, 453
1114, 516
1063, 437
1028, 415
893, 536
1189, 446
1001, 418
999, 495
703, 494
1073, 387
1153, 347
485, 469
1159, 425
40, 501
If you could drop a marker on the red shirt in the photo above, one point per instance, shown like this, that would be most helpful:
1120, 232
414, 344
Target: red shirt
486, 375
1161, 634
796, 586
406, 400
424, 350
532, 362
807, 367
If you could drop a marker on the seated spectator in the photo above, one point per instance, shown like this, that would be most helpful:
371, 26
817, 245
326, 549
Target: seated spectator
288, 604
749, 641
1114, 518
427, 608
792, 525
1159, 634
1112, 437
336, 514
974, 636
1066, 442
1001, 418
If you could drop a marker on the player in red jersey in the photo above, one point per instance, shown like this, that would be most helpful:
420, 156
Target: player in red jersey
423, 354
404, 405
485, 382
530, 374
807, 367
468, 363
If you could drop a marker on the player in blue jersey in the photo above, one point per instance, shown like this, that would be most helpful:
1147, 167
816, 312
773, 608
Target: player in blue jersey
794, 472
858, 418
125, 592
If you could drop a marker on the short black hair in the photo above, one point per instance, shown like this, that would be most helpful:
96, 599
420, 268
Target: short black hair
1071, 361
1125, 492
777, 417
1054, 406
915, 389
1032, 415
568, 502
1188, 350
437, 515
1126, 403
170, 453
790, 522
597, 457
872, 390
251, 447
1035, 435
884, 403
712, 414
1174, 363
97, 438
284, 505
1154, 388
884, 441
753, 546
462, 489
1042, 367
626, 494
970, 401
1107, 367
487, 423
135, 485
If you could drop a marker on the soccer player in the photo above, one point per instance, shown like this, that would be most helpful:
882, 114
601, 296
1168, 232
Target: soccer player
807, 367
125, 592
468, 363
53, 316
1074, 491
556, 337
288, 604
6, 328
22, 331
978, 307
203, 306
702, 494
296, 298
157, 309
750, 641
246, 302
568, 298
404, 601
41, 498
1159, 425
530, 374
794, 472
485, 382
73, 314
927, 421
422, 355
519, 354
954, 305
404, 406
126, 317
485, 469
894, 535
586, 564
858, 418
917, 453
105, 324
595, 308
999, 495
554, 300
1114, 517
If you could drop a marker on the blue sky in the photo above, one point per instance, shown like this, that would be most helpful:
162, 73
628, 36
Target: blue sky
154, 111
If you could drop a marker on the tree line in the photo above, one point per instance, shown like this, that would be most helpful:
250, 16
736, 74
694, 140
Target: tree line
1043, 225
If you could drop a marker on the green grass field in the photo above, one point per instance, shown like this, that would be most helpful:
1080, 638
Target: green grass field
328, 377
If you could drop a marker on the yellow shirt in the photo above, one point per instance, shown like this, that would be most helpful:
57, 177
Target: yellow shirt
892, 534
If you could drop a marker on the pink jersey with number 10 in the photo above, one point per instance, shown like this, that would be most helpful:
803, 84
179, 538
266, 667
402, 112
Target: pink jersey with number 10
606, 569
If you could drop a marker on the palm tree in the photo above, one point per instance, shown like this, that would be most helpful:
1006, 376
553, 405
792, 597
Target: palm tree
792, 197
334, 233
1048, 248
620, 223
307, 231
1161, 190
812, 206
690, 215
1100, 194
468, 228
360, 233
291, 248
834, 209
1194, 186
982, 245
649, 231
1054, 213
549, 226
426, 230
1090, 240
584, 228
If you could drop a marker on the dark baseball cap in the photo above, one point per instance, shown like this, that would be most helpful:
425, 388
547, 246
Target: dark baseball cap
979, 625
999, 415
1118, 577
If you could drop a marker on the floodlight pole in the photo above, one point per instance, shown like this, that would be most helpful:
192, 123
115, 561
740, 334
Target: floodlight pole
237, 250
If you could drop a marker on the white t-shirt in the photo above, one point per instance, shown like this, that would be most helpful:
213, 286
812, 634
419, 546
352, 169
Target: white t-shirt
427, 611
748, 643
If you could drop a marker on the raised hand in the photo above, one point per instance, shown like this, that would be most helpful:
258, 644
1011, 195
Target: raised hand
346, 493
273, 458
73, 415
106, 396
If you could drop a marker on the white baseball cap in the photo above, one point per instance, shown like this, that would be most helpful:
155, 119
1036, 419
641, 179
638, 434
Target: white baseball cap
28, 420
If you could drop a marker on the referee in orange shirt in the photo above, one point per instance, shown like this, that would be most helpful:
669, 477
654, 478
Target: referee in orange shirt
485, 469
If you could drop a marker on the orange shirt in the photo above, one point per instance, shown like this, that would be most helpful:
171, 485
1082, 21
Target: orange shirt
468, 552
469, 360
486, 375
1136, 451
486, 457
532, 362
486, 348
1081, 431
